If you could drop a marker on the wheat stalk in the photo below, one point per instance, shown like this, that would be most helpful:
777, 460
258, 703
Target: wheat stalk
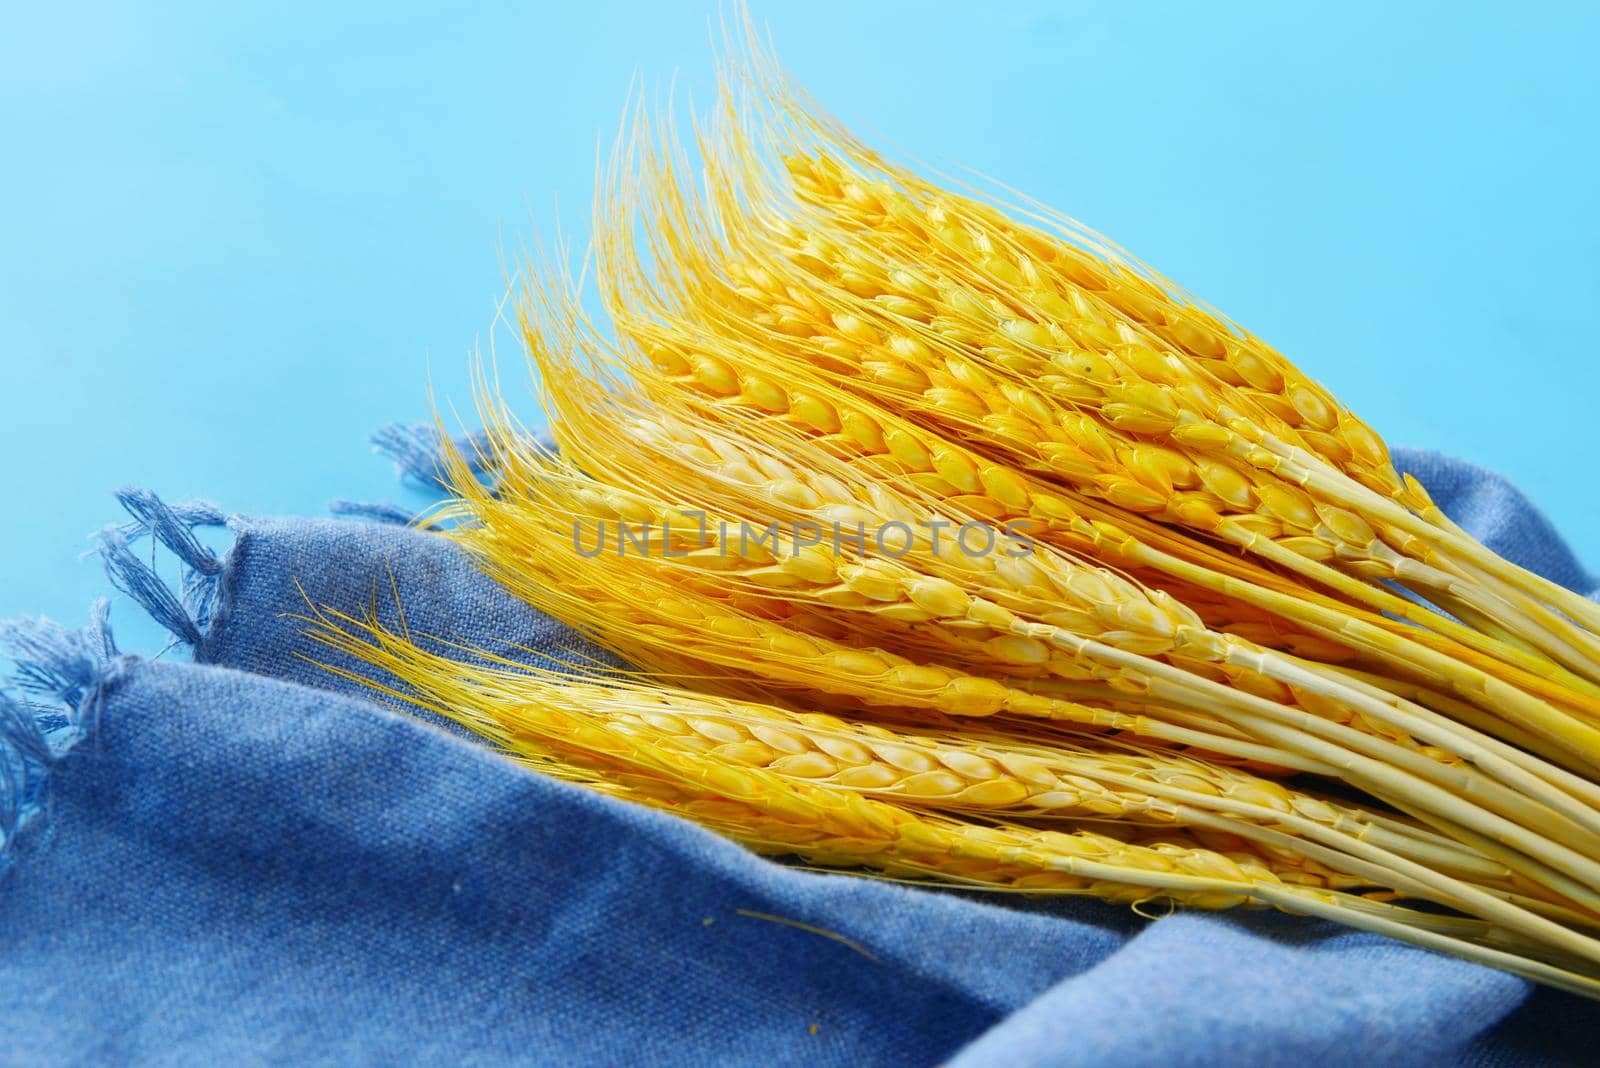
999, 494
788, 764
674, 625
1132, 623
1072, 596
786, 309
986, 486
1105, 301
805, 336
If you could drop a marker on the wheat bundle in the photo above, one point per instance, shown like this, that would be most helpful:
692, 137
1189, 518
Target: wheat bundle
947, 542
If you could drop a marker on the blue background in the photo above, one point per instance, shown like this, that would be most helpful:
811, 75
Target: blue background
234, 241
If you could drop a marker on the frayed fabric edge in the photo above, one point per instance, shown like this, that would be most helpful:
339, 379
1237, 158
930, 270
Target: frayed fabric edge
187, 612
418, 451
50, 705
385, 512
51, 700
58, 677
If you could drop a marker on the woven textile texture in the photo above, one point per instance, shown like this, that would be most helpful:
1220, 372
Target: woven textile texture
248, 859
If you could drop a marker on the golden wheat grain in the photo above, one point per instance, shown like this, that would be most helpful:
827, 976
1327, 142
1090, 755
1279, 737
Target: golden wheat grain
1249, 467
1547, 830
1265, 399
1050, 598
932, 464
852, 427
814, 773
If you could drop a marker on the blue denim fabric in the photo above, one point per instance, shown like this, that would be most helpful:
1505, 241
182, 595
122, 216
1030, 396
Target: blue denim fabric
248, 858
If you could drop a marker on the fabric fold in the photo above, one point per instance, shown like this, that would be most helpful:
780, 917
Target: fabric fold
244, 867
254, 857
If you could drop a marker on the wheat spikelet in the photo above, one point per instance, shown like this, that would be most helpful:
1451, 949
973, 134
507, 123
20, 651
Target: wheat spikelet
944, 471
887, 590
890, 589
571, 717
1010, 597
629, 503
950, 769
987, 488
807, 339
814, 778
1202, 475
1245, 499
675, 626
754, 383
1085, 329
1245, 475
1109, 298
